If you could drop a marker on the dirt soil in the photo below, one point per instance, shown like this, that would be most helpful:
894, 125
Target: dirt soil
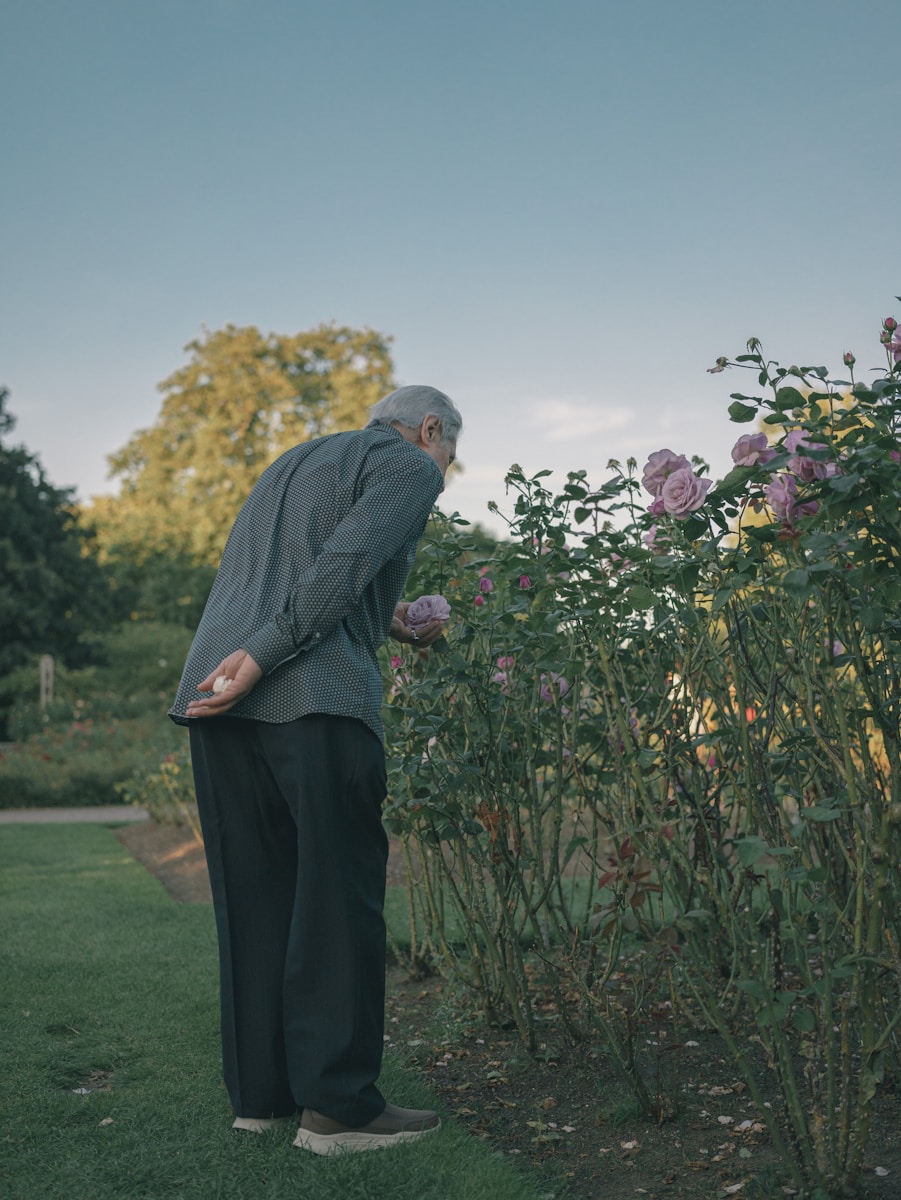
563, 1114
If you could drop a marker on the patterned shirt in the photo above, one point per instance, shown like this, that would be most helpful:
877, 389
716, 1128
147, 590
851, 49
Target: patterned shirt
311, 574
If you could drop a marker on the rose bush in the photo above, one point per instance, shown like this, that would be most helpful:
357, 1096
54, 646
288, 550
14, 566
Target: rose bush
715, 786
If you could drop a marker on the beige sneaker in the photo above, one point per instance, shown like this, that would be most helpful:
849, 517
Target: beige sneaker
259, 1124
322, 1135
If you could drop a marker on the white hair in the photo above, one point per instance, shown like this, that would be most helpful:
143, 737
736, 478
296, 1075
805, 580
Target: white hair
409, 406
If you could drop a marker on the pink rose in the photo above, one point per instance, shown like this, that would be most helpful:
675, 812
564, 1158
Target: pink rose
752, 448
684, 492
895, 346
485, 585
427, 609
525, 582
650, 538
479, 601
549, 682
782, 497
616, 564
502, 676
658, 468
806, 469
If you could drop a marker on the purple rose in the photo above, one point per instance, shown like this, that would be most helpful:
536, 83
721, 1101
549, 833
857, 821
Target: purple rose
659, 467
806, 469
427, 609
502, 676
781, 496
549, 682
525, 582
684, 492
752, 448
485, 585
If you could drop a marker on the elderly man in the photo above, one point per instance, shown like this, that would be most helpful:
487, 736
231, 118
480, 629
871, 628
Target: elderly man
282, 692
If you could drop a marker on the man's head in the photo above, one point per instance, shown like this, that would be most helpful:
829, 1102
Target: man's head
425, 417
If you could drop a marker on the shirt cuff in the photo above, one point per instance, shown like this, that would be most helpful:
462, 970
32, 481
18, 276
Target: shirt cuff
270, 646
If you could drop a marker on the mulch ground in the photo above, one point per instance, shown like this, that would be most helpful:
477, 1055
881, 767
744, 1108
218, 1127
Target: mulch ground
563, 1114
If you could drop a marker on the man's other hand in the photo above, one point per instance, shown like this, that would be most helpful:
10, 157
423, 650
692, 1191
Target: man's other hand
424, 637
242, 673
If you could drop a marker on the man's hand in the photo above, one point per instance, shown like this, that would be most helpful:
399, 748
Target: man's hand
242, 672
422, 638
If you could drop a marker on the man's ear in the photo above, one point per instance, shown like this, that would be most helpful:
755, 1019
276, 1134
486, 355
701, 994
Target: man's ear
430, 428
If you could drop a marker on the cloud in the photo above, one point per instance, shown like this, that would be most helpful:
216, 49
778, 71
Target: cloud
564, 419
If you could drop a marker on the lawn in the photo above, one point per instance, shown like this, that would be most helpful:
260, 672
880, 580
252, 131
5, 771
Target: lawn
110, 1052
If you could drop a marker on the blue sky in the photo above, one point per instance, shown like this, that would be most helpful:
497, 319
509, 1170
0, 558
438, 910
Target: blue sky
562, 211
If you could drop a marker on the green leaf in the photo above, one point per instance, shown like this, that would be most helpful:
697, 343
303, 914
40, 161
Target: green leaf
751, 850
844, 483
640, 597
798, 583
820, 812
694, 526
872, 618
753, 987
788, 398
803, 1019
741, 413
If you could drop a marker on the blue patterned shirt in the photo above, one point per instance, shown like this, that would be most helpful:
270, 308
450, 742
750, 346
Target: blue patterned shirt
311, 574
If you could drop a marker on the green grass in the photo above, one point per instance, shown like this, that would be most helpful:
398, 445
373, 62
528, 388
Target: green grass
107, 980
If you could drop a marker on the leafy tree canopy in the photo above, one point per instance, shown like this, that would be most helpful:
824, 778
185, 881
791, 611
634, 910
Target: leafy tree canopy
52, 590
243, 398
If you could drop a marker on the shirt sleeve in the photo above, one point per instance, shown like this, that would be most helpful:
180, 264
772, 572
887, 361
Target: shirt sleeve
391, 511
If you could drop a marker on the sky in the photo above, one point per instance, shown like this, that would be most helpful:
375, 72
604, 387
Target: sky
561, 211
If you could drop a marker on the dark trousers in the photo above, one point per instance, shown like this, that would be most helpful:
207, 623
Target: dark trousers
291, 818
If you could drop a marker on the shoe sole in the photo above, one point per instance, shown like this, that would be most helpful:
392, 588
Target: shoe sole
353, 1142
260, 1124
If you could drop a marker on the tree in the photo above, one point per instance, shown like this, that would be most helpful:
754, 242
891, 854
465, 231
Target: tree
242, 399
52, 590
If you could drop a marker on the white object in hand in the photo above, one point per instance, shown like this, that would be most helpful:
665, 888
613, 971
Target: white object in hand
220, 683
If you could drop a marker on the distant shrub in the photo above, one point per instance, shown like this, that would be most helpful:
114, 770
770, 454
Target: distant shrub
106, 724
167, 793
